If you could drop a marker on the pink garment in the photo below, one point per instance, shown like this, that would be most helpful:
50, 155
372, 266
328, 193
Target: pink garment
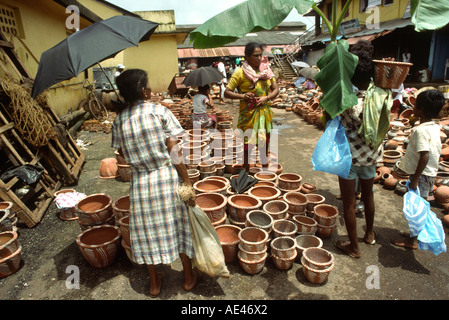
265, 71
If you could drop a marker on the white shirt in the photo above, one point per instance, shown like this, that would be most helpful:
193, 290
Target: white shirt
199, 103
222, 69
424, 137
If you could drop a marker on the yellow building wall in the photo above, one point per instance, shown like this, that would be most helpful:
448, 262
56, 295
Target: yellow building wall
388, 12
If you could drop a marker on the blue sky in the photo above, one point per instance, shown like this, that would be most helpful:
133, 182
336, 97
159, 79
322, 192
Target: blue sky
193, 11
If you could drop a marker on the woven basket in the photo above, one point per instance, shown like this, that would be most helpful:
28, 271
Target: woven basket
390, 74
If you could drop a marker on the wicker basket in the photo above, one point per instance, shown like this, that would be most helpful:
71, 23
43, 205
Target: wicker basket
390, 74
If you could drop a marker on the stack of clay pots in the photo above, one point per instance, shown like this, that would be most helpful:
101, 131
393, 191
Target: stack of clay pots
317, 263
253, 247
94, 210
10, 249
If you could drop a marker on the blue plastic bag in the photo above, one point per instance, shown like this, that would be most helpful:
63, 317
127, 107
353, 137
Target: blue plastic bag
332, 153
423, 223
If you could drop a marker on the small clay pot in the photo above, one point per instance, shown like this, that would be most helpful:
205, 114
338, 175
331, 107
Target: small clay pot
307, 241
240, 204
266, 176
213, 204
264, 193
313, 199
94, 209
120, 207
229, 239
289, 181
210, 185
307, 188
259, 219
325, 231
305, 224
283, 247
325, 214
10, 262
297, 202
283, 227
252, 267
318, 258
277, 209
253, 239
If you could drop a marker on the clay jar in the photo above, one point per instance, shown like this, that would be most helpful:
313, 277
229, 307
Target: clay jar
229, 239
325, 214
390, 182
213, 204
99, 245
240, 204
289, 181
284, 228
120, 207
277, 209
253, 239
210, 185
297, 202
108, 168
123, 224
259, 219
94, 209
265, 193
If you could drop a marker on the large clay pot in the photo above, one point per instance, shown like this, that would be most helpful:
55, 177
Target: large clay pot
283, 247
316, 276
277, 209
240, 204
296, 201
10, 261
259, 219
94, 209
213, 204
120, 207
108, 168
325, 214
123, 224
284, 228
210, 185
253, 239
99, 245
265, 193
306, 225
229, 239
318, 258
289, 181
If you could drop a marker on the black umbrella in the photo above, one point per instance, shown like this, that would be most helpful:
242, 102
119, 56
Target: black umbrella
202, 76
87, 47
309, 73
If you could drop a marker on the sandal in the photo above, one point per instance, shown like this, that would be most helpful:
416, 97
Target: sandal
339, 245
373, 242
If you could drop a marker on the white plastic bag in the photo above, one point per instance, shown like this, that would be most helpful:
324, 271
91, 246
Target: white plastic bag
209, 257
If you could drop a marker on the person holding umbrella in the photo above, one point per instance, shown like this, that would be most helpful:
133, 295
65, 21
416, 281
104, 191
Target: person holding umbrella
145, 134
257, 86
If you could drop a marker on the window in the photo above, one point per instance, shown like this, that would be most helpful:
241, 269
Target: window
10, 21
363, 5
387, 2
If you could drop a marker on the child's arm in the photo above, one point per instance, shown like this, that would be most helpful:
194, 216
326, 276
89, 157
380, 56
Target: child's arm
422, 163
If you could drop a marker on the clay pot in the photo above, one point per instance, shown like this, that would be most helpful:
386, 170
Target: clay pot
265, 193
194, 175
315, 276
213, 204
277, 209
265, 183
284, 263
220, 178
259, 219
390, 157
325, 231
390, 182
229, 239
108, 168
325, 214
266, 176
251, 256
94, 209
289, 181
313, 199
253, 239
129, 254
445, 220
210, 185
99, 245
240, 204
193, 148
204, 175
66, 214
220, 169
220, 222
123, 224
283, 247
120, 207
10, 261
220, 139
306, 225
275, 168
237, 223
318, 258
8, 241
297, 202
307, 188
305, 241
236, 168
252, 267
120, 159
407, 113
207, 166
441, 194
124, 171
284, 228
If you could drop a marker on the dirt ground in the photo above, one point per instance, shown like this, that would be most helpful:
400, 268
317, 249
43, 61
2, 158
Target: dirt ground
384, 272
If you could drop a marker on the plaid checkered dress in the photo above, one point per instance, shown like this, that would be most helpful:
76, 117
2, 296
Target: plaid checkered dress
159, 225
362, 154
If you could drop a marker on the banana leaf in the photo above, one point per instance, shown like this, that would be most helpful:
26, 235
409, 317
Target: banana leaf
337, 67
246, 17
429, 14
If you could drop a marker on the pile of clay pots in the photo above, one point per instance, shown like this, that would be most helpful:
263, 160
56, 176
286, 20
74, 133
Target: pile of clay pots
278, 218
10, 248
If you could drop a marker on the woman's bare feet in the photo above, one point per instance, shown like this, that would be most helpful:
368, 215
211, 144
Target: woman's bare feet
190, 284
346, 247
155, 286
410, 242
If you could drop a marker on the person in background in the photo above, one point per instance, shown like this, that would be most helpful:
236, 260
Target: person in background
221, 67
201, 102
257, 87
119, 69
398, 101
145, 134
309, 84
423, 152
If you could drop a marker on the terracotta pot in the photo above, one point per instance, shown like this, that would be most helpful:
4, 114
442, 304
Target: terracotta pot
305, 224
94, 209
207, 166
284, 228
240, 204
259, 219
289, 181
99, 245
108, 168
390, 182
204, 175
312, 200
124, 171
265, 193
297, 202
305, 241
316, 276
251, 256
123, 224
213, 204
8, 241
192, 148
318, 258
120, 207
325, 214
220, 139
220, 178
307, 188
210, 185
66, 214
266, 176
283, 247
236, 168
265, 183
253, 239
390, 157
284, 263
237, 223
194, 175
252, 267
129, 254
325, 231
229, 239
277, 209
120, 159
441, 194
10, 262
275, 168
220, 169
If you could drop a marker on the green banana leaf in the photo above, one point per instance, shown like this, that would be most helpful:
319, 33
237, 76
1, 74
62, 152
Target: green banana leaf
337, 67
429, 14
248, 16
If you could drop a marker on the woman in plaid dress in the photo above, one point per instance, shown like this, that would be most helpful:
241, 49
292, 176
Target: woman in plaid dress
145, 134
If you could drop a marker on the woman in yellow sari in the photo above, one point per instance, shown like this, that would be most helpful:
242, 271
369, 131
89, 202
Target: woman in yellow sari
257, 86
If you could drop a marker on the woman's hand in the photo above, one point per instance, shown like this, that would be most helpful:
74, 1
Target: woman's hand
262, 100
249, 96
191, 201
